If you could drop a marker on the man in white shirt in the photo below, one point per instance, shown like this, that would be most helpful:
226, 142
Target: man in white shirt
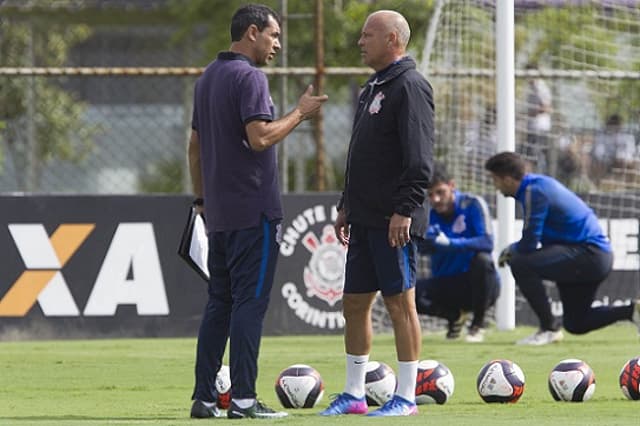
612, 148
538, 122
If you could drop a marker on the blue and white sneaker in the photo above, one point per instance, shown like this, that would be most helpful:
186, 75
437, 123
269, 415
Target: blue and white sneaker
396, 406
345, 403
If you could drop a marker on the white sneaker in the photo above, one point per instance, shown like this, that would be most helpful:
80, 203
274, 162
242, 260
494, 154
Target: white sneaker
542, 337
475, 335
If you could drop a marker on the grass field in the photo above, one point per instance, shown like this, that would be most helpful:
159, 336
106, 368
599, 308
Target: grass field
149, 381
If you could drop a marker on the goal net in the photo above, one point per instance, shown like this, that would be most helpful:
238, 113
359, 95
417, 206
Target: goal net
577, 110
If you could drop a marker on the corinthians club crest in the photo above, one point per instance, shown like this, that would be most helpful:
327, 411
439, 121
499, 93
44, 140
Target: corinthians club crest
324, 274
376, 104
312, 277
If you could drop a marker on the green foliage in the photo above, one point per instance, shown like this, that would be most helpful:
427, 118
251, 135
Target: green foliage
552, 32
164, 176
342, 26
59, 130
207, 22
334, 174
576, 37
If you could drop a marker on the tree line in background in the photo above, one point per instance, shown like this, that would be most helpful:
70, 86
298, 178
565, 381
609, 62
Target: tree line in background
33, 135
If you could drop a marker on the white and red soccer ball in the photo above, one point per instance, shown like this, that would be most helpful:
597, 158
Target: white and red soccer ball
630, 379
500, 380
572, 380
434, 383
223, 386
299, 386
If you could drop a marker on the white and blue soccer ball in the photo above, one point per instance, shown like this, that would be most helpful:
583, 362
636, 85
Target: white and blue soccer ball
500, 380
572, 380
299, 386
380, 383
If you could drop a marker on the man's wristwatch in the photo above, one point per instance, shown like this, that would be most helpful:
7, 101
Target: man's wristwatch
198, 202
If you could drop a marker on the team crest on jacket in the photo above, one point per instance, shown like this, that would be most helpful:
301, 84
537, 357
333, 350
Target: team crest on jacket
459, 226
376, 104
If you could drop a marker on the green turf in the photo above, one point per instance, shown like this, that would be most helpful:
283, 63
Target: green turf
149, 381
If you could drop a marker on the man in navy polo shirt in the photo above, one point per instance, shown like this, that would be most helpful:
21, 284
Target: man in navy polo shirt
563, 242
232, 161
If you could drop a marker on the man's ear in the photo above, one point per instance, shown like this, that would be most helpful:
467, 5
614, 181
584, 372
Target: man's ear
452, 184
392, 39
252, 32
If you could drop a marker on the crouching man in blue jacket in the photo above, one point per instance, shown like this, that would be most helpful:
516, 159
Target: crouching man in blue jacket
459, 241
562, 242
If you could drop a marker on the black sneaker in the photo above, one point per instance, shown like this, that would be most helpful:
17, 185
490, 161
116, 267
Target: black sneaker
200, 411
257, 411
455, 327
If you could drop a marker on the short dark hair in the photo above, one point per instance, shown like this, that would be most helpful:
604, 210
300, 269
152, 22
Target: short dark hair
251, 14
440, 174
507, 164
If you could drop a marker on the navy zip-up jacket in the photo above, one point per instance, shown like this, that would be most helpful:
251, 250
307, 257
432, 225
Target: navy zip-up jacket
555, 215
390, 157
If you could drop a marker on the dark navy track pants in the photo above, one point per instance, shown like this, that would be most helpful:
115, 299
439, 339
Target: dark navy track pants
578, 270
242, 266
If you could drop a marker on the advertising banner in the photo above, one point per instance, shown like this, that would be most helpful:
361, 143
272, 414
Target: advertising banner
81, 266
107, 266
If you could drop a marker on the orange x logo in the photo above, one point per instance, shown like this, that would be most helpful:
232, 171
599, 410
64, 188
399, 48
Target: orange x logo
43, 257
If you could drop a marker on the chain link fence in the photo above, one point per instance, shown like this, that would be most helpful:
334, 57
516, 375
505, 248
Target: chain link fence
125, 131
70, 124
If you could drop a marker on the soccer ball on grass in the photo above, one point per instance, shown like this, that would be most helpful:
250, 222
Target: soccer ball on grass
630, 379
379, 383
500, 380
572, 380
434, 383
223, 386
299, 386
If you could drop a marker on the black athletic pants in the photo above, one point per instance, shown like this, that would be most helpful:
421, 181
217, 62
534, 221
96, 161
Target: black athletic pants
578, 270
474, 290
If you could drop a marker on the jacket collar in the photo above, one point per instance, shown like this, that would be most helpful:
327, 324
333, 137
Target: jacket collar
392, 71
526, 179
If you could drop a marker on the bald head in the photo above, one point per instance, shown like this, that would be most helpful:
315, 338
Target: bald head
384, 39
393, 22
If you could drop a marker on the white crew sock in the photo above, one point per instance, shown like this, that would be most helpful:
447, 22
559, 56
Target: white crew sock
244, 402
407, 374
356, 371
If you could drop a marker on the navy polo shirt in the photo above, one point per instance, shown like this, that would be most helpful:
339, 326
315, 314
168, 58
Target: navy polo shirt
240, 184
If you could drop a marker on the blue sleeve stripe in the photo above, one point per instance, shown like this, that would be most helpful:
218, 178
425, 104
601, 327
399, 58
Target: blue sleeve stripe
407, 268
527, 208
265, 256
486, 216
